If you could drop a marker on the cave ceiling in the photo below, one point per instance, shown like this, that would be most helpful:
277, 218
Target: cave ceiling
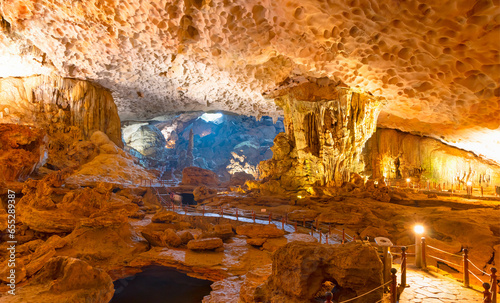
435, 63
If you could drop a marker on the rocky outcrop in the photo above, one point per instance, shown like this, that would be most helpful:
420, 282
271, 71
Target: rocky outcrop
199, 176
205, 244
259, 231
68, 110
397, 155
23, 149
111, 165
58, 104
326, 128
299, 270
65, 279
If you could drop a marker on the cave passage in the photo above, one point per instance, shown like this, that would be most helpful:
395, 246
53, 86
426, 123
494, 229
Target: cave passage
158, 284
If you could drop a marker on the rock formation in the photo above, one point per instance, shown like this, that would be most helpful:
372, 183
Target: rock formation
300, 269
393, 154
23, 149
68, 110
436, 63
326, 128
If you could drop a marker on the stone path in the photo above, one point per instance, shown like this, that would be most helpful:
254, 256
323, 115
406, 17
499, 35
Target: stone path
429, 287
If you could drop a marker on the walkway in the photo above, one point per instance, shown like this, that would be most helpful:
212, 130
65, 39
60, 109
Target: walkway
429, 287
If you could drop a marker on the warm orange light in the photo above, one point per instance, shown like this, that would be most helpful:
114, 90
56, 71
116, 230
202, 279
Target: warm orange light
408, 180
469, 183
418, 229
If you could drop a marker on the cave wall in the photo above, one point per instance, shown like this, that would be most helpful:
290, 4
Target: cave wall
326, 127
422, 158
68, 110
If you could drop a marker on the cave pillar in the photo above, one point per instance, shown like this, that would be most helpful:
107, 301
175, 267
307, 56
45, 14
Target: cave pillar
326, 128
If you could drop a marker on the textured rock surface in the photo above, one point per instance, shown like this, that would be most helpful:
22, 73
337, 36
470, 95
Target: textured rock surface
23, 150
61, 106
205, 244
300, 268
199, 176
436, 63
394, 154
326, 128
65, 279
259, 231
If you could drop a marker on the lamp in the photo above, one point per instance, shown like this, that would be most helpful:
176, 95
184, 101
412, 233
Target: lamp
419, 231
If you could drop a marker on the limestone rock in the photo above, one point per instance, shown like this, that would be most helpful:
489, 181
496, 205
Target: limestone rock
23, 149
170, 238
299, 268
256, 241
203, 192
259, 231
165, 217
185, 236
223, 231
72, 280
205, 244
329, 126
301, 214
301, 237
199, 176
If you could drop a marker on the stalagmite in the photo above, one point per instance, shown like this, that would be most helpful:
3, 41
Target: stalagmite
326, 128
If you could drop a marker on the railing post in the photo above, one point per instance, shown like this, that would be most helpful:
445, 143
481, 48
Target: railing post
394, 292
320, 236
312, 229
221, 211
486, 293
418, 252
295, 226
317, 221
237, 215
203, 211
283, 223
329, 229
270, 217
327, 239
304, 222
466, 267
403, 268
328, 297
343, 236
253, 216
424, 246
494, 285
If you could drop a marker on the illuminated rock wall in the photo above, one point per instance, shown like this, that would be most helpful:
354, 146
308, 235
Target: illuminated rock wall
69, 110
326, 128
399, 155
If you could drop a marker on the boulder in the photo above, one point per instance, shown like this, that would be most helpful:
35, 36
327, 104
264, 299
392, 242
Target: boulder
166, 238
299, 269
205, 244
203, 192
256, 241
165, 217
66, 279
23, 149
199, 176
223, 231
301, 214
185, 236
259, 231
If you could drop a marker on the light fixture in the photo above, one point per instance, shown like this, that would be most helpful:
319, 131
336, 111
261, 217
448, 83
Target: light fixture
469, 183
418, 229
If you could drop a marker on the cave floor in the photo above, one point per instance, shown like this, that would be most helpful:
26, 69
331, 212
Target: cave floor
430, 287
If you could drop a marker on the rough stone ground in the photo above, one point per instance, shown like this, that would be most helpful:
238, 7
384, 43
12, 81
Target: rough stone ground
429, 287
